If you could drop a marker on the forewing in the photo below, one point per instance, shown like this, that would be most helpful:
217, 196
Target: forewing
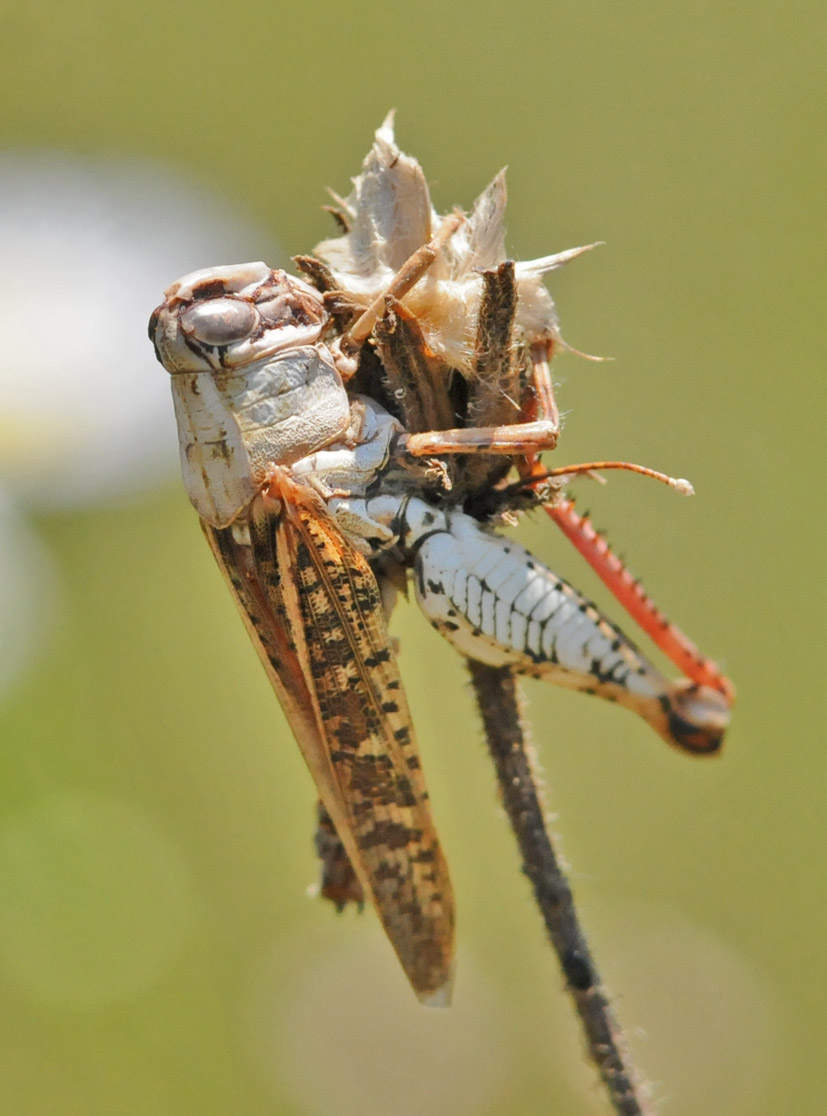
263, 612
313, 608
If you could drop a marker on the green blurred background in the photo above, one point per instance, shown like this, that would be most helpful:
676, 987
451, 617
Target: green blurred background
159, 955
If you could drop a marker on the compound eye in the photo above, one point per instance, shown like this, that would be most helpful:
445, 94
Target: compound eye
219, 321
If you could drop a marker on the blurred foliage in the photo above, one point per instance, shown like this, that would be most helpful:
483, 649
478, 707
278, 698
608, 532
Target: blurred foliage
157, 951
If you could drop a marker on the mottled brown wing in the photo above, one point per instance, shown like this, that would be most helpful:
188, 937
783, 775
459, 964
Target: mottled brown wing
313, 609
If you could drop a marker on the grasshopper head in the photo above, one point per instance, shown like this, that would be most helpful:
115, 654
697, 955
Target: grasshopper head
221, 317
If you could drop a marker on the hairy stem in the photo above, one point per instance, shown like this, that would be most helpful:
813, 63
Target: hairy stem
499, 703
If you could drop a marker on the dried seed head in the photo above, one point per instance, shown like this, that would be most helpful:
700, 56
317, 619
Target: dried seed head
389, 216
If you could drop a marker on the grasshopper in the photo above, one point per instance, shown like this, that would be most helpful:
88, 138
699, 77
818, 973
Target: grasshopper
315, 499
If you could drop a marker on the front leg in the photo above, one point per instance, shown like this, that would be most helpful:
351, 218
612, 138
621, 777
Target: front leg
346, 347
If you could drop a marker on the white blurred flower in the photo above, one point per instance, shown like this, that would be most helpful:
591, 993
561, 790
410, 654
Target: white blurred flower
87, 246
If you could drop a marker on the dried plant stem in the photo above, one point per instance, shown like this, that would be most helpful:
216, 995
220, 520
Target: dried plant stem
499, 702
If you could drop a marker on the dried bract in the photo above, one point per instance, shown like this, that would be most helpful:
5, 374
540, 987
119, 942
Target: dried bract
389, 216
